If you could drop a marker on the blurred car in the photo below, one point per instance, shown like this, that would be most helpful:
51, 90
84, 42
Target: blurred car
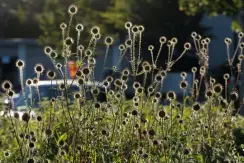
47, 91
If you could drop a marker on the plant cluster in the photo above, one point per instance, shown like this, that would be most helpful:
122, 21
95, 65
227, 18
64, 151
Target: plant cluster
121, 130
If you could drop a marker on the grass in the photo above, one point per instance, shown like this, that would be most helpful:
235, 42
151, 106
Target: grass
122, 130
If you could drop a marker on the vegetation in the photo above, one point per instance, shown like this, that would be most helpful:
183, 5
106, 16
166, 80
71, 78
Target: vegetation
119, 130
230, 8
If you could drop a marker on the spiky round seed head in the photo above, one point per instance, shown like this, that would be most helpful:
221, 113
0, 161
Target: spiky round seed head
124, 78
11, 93
35, 81
97, 36
16, 115
62, 86
141, 28
39, 118
21, 135
26, 117
207, 40
234, 96
186, 151
95, 30
146, 67
183, 75
121, 47
53, 54
228, 41
128, 43
48, 132
20, 63
171, 95
108, 40
69, 41
218, 88
139, 90
104, 132
73, 9
162, 39
109, 79
128, 25
88, 53
31, 145
150, 47
226, 76
208, 93
241, 57
136, 85
77, 96
240, 34
193, 34
126, 72
79, 27
95, 91
53, 100
135, 29
47, 50
51, 74
86, 71
78, 74
183, 84
161, 113
6, 153
174, 40
151, 132
58, 65
155, 142
28, 82
39, 68
242, 45
134, 112
196, 106
150, 90
97, 105
158, 78
7, 85
194, 69
63, 26
81, 47
187, 46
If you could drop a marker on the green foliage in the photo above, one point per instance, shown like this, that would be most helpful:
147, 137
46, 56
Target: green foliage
213, 8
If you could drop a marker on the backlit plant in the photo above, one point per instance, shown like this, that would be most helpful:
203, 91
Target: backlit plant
120, 130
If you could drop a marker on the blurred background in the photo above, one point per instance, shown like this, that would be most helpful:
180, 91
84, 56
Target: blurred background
26, 26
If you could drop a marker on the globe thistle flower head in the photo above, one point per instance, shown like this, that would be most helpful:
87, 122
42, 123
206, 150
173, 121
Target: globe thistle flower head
171, 95
39, 68
51, 74
183, 84
20, 64
7, 85
95, 30
162, 39
73, 9
47, 50
128, 25
79, 27
108, 41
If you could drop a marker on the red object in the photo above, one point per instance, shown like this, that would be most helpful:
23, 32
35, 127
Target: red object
73, 67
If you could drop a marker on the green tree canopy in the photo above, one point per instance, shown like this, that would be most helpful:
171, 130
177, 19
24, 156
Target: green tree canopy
213, 8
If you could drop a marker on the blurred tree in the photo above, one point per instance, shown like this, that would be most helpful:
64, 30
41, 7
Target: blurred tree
15, 23
160, 18
232, 8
